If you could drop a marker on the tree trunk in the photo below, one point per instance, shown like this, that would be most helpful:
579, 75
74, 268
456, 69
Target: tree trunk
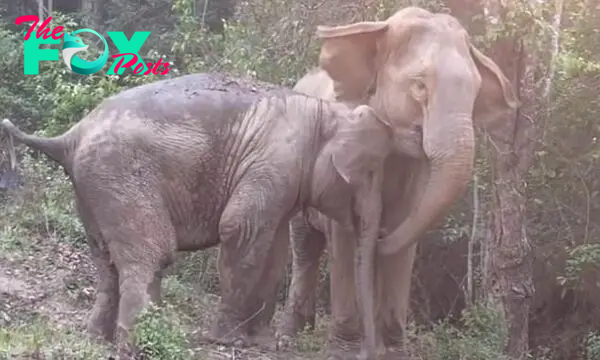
96, 11
40, 11
511, 255
510, 279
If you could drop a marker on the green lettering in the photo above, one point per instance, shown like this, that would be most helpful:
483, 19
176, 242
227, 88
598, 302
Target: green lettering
132, 45
32, 54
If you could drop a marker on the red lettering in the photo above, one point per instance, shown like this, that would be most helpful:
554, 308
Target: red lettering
42, 31
149, 66
129, 64
156, 68
55, 32
166, 69
138, 69
26, 18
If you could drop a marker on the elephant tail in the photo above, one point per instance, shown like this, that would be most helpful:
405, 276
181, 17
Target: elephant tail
55, 147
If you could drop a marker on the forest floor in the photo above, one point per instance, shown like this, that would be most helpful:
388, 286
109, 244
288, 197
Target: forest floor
47, 291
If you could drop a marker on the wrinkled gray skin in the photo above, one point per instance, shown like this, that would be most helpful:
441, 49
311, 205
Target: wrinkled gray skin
414, 68
188, 163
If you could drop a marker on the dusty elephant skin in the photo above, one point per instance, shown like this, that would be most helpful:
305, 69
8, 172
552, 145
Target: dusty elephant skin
188, 163
415, 68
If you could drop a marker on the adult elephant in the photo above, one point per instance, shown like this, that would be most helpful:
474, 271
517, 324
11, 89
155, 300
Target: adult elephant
415, 68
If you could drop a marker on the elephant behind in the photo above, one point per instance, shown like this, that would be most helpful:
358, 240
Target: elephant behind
415, 68
196, 161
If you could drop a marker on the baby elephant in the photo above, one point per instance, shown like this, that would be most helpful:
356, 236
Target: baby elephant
188, 163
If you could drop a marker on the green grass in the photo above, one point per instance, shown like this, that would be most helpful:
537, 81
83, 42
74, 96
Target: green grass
43, 340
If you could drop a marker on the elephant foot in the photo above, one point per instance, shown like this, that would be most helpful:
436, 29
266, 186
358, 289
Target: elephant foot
226, 331
395, 341
99, 333
293, 322
365, 356
396, 353
343, 350
237, 340
125, 348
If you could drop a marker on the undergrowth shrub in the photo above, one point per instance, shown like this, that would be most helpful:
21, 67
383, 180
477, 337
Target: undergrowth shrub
158, 334
480, 335
43, 207
592, 345
39, 339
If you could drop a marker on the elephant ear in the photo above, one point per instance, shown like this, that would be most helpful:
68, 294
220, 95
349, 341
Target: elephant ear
348, 56
496, 97
361, 143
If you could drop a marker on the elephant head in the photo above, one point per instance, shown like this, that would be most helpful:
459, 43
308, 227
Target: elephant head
420, 69
363, 140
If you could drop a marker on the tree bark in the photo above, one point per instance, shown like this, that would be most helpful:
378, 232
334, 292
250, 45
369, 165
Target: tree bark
510, 279
96, 10
40, 11
511, 256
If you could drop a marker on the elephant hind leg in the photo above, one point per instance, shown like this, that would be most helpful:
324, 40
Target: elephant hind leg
252, 258
308, 244
139, 285
103, 318
139, 247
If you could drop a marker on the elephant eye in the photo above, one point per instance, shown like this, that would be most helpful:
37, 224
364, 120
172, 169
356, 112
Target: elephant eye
418, 129
419, 90
419, 85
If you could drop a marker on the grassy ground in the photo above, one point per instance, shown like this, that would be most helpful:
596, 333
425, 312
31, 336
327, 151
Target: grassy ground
46, 292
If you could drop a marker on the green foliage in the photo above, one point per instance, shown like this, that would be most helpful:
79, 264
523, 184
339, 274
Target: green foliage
480, 335
582, 259
56, 98
158, 334
41, 340
592, 346
262, 45
50, 102
44, 207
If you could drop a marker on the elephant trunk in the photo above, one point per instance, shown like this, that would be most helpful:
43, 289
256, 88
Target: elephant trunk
449, 144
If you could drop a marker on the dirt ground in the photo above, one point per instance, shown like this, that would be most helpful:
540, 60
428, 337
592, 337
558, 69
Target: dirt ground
47, 290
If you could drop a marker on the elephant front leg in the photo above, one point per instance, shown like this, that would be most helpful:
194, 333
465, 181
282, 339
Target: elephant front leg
345, 330
307, 247
252, 258
271, 277
395, 274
